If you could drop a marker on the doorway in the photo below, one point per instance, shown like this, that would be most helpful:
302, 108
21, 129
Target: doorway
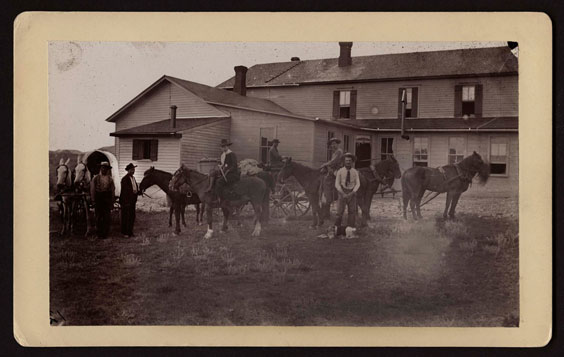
363, 151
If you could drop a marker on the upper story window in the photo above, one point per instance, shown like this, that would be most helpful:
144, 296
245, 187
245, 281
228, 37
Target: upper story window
145, 149
344, 104
468, 100
411, 102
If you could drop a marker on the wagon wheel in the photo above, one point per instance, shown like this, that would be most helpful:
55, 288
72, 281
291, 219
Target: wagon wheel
300, 203
287, 201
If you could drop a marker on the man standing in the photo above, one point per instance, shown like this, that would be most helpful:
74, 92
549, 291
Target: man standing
127, 200
347, 183
274, 157
102, 193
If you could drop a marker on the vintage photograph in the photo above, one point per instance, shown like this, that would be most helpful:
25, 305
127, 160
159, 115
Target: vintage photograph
284, 184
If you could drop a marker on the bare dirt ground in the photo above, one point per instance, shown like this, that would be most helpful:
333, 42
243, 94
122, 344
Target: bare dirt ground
397, 273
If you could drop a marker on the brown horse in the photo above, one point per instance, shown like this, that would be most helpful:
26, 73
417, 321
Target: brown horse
310, 180
387, 169
248, 189
453, 179
179, 200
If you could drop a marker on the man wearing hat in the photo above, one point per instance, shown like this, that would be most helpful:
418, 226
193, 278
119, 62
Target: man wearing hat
273, 156
102, 193
336, 158
347, 183
127, 200
228, 172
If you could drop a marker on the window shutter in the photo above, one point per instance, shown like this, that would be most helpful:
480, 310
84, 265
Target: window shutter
399, 102
478, 96
135, 150
414, 101
353, 104
154, 150
336, 97
457, 101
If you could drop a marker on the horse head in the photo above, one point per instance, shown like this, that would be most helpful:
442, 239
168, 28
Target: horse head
82, 175
482, 168
286, 170
393, 169
64, 178
180, 177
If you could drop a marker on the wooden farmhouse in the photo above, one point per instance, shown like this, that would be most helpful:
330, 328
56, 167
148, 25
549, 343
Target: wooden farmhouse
455, 101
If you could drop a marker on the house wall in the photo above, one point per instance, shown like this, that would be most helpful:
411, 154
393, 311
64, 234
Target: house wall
435, 98
168, 157
155, 106
295, 135
203, 142
438, 155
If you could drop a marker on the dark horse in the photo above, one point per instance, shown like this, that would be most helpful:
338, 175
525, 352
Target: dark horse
249, 189
387, 169
453, 179
178, 200
310, 180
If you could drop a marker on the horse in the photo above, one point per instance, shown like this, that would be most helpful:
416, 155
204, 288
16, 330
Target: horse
65, 194
179, 201
82, 178
310, 180
248, 189
388, 170
453, 179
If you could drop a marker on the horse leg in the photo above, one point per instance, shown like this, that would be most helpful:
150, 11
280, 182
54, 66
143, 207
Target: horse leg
258, 213
418, 203
453, 204
315, 213
201, 216
177, 212
226, 212
209, 218
183, 211
447, 204
197, 205
170, 215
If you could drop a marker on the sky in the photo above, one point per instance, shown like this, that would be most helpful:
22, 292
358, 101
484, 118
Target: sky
89, 81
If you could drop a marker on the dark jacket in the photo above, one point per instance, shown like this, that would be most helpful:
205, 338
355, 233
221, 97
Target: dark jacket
230, 167
127, 196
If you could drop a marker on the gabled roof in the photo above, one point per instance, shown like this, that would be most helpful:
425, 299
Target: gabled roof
434, 124
433, 64
163, 128
211, 95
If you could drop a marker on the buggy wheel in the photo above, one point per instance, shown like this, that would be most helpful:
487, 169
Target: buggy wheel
300, 203
281, 202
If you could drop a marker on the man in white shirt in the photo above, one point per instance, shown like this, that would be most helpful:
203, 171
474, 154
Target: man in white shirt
347, 183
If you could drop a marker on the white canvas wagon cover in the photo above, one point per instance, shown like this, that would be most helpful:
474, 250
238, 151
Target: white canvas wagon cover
93, 160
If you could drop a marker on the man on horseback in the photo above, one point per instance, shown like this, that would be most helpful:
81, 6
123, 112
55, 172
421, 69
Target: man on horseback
336, 158
347, 183
275, 159
228, 171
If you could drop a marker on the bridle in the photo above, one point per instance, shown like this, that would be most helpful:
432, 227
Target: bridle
67, 172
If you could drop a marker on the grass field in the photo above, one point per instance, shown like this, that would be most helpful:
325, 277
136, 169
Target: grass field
397, 273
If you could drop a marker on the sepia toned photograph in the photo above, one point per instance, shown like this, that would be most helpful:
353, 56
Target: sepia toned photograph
284, 184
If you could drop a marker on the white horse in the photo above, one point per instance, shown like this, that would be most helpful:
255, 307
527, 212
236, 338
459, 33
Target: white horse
64, 188
82, 178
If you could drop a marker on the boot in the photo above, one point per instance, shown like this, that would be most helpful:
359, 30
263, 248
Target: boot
210, 187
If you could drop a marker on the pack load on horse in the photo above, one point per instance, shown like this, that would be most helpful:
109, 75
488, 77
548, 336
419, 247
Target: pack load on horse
454, 179
178, 200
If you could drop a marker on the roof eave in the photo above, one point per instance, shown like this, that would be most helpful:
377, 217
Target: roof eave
130, 135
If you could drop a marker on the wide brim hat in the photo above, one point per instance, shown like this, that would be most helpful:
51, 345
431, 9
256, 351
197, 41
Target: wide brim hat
105, 163
348, 154
130, 166
225, 142
338, 141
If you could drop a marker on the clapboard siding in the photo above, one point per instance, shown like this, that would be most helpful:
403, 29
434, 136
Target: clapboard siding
203, 143
168, 158
295, 135
438, 155
321, 136
155, 106
436, 97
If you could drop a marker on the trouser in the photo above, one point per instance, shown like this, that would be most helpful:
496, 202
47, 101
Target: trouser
352, 209
127, 218
103, 209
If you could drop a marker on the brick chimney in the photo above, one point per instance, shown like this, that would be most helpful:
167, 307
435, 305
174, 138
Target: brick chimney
240, 86
173, 116
345, 55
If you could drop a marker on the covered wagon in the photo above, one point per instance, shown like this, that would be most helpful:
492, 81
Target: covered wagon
93, 160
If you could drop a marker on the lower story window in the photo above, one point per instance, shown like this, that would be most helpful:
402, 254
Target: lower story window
386, 148
145, 149
455, 149
420, 151
266, 137
346, 143
498, 156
